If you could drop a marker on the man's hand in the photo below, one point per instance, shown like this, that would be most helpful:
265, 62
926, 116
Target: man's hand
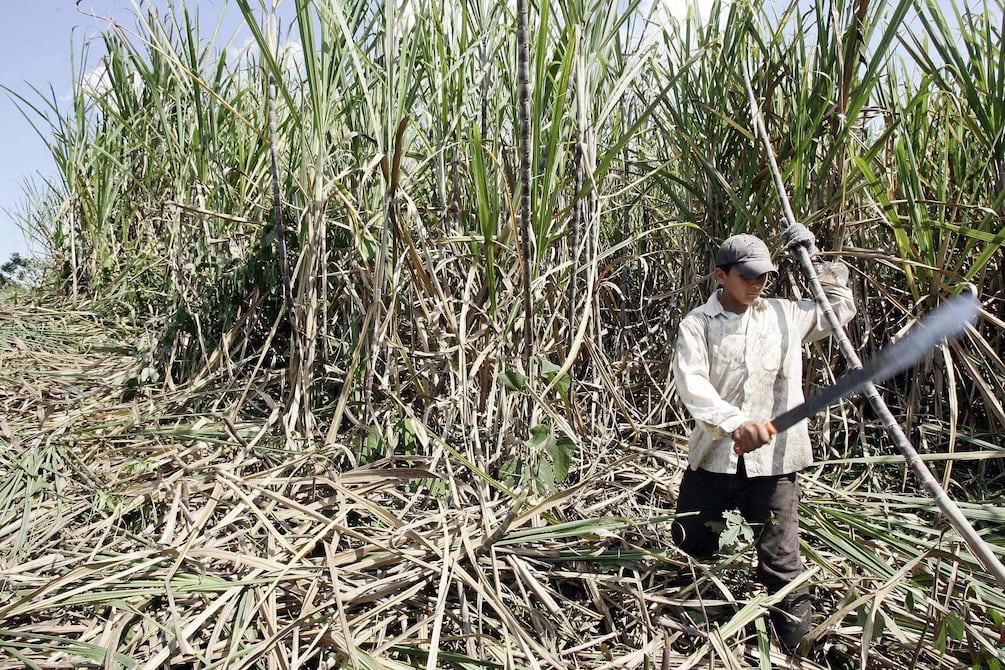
798, 235
749, 436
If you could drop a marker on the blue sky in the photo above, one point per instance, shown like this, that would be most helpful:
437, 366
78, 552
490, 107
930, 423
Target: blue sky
36, 38
42, 40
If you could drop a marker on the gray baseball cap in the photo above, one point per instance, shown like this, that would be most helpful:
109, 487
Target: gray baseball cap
748, 253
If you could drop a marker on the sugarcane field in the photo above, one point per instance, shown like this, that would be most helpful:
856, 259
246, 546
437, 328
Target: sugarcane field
530, 335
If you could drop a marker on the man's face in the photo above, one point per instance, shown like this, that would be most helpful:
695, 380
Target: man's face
739, 292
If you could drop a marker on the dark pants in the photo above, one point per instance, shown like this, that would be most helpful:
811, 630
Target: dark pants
769, 504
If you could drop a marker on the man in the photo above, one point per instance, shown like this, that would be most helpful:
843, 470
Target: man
737, 364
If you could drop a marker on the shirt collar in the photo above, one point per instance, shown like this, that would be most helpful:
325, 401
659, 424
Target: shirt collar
713, 307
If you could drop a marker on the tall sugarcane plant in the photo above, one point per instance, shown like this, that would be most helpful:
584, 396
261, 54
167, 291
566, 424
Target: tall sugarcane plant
442, 248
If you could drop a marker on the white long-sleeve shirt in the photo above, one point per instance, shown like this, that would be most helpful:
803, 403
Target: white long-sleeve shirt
730, 368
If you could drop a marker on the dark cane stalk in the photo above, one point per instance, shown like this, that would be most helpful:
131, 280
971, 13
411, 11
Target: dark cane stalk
277, 200
523, 183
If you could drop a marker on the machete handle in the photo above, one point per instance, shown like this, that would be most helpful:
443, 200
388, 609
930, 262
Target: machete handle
770, 427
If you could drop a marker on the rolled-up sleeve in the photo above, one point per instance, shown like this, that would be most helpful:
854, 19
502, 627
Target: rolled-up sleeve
833, 278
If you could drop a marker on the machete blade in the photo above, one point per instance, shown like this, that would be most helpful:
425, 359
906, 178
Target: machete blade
948, 321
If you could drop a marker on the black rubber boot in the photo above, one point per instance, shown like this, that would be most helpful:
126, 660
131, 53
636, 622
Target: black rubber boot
792, 621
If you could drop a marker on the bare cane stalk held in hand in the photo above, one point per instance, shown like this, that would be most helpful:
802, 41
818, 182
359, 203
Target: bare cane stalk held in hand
949, 508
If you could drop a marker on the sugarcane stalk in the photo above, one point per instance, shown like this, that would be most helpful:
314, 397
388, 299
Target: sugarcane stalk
277, 199
946, 504
524, 184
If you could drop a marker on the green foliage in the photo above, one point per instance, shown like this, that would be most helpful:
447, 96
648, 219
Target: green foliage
948, 628
546, 466
514, 380
552, 455
734, 531
19, 271
397, 437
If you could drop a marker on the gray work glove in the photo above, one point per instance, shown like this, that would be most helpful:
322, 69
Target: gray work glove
798, 235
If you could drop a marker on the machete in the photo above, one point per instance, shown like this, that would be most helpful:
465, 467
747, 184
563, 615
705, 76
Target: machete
948, 321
